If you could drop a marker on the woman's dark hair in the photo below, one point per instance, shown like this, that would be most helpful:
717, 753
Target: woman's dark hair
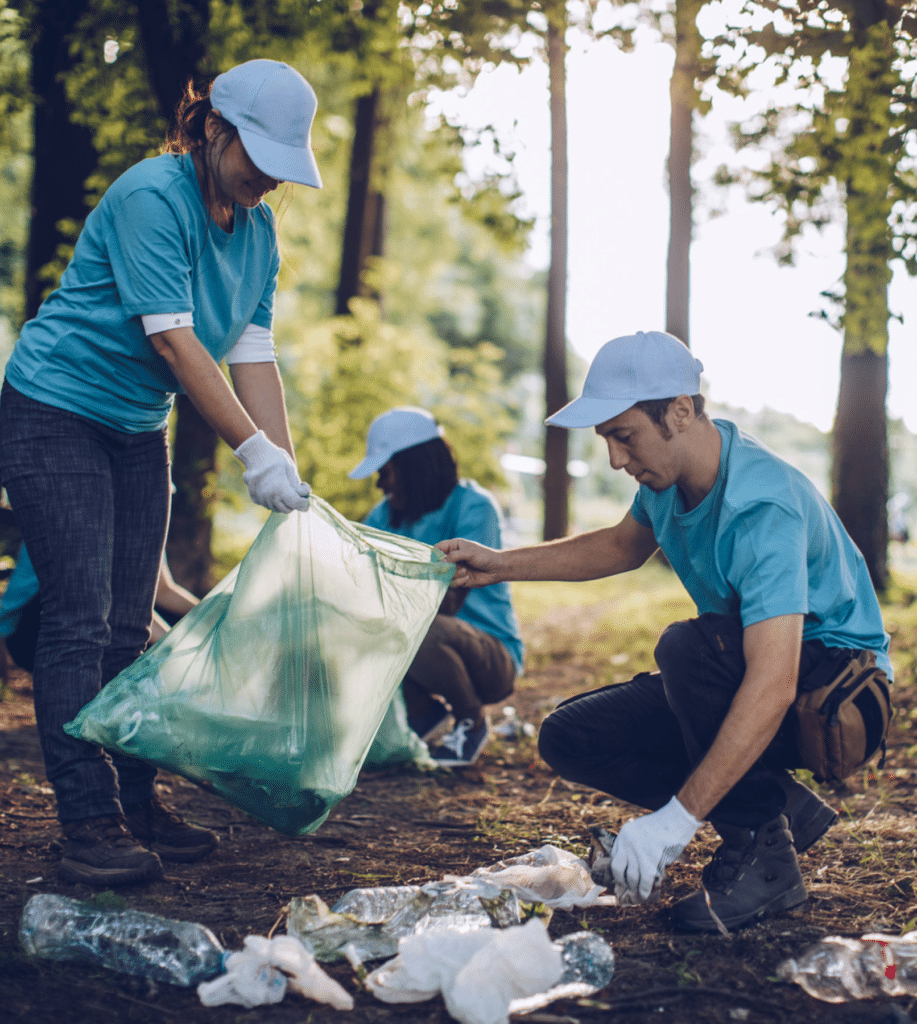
656, 408
188, 134
425, 475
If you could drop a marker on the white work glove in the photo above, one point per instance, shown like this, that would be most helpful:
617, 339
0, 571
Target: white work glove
271, 476
646, 846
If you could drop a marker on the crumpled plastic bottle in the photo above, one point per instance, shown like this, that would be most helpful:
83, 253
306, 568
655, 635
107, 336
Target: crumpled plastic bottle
176, 952
511, 726
839, 969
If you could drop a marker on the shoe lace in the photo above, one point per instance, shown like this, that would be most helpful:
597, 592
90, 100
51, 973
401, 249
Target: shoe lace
455, 740
110, 829
723, 866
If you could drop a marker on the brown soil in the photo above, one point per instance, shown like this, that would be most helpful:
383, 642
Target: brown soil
406, 826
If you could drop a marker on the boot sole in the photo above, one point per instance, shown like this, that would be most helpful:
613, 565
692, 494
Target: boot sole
74, 871
179, 855
815, 828
785, 901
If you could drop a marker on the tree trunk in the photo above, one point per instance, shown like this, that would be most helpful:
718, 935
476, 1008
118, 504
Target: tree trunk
860, 450
860, 466
176, 54
191, 525
175, 51
362, 225
556, 449
683, 93
64, 154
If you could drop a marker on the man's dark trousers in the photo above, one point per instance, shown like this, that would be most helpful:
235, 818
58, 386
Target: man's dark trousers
639, 740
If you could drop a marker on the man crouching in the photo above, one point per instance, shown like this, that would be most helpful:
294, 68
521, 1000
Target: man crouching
784, 601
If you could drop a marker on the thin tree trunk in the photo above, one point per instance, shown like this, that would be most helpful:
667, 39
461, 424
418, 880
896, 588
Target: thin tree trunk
683, 95
860, 468
360, 227
64, 154
175, 51
188, 546
860, 465
176, 54
556, 478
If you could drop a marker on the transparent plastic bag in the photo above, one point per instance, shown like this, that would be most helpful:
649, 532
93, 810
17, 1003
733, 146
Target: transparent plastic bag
396, 743
273, 688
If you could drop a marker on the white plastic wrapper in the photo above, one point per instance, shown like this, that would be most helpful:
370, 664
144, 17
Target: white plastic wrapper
262, 972
479, 973
549, 875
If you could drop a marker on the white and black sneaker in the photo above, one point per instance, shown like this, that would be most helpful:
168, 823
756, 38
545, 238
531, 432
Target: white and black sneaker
463, 745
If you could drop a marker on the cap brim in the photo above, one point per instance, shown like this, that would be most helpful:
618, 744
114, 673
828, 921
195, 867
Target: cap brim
370, 465
588, 412
285, 163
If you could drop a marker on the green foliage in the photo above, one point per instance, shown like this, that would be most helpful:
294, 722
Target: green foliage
15, 168
351, 369
848, 141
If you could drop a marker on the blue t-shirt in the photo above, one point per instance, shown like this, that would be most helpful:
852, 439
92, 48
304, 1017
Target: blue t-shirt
472, 513
148, 247
764, 543
21, 587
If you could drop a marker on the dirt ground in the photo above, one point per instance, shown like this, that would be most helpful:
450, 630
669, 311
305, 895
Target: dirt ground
406, 827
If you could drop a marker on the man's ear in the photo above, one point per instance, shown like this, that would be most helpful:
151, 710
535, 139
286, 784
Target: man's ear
680, 414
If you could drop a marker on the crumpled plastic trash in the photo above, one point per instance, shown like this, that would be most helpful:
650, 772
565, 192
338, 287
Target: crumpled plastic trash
549, 875
479, 973
262, 972
371, 921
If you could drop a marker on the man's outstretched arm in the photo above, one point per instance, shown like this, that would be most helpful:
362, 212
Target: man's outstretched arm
587, 556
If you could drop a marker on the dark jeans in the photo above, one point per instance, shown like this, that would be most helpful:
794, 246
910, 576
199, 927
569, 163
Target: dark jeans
463, 664
93, 505
639, 741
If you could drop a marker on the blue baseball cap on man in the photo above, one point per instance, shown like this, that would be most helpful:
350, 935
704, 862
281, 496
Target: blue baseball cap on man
634, 368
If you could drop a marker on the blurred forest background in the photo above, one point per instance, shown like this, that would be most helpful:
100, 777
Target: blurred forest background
404, 280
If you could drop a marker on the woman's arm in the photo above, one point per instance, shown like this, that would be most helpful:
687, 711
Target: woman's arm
260, 390
270, 469
203, 382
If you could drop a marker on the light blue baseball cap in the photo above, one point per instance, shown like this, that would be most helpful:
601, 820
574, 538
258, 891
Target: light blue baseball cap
634, 368
272, 106
392, 432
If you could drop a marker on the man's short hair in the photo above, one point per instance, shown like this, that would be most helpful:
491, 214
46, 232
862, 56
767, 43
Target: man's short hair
656, 408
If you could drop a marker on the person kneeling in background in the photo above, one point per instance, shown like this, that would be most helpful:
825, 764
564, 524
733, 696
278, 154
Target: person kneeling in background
472, 652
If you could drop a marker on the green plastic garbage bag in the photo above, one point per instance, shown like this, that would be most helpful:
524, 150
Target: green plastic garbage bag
396, 743
273, 688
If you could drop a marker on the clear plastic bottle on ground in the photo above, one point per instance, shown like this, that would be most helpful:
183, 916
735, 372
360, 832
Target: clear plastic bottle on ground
177, 952
838, 969
511, 726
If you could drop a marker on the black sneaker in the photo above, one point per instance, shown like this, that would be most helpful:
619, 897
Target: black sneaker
102, 851
429, 720
807, 815
167, 834
463, 745
752, 875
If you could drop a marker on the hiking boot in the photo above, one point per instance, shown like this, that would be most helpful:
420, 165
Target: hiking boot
752, 875
463, 745
102, 851
808, 816
164, 832
429, 720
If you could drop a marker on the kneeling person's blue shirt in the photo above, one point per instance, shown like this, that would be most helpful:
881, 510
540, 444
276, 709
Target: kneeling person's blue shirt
765, 543
470, 512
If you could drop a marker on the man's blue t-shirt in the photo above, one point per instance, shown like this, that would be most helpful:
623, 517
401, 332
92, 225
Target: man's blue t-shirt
470, 512
764, 543
148, 247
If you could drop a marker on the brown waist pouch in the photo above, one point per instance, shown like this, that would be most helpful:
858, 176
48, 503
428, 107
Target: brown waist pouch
841, 725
